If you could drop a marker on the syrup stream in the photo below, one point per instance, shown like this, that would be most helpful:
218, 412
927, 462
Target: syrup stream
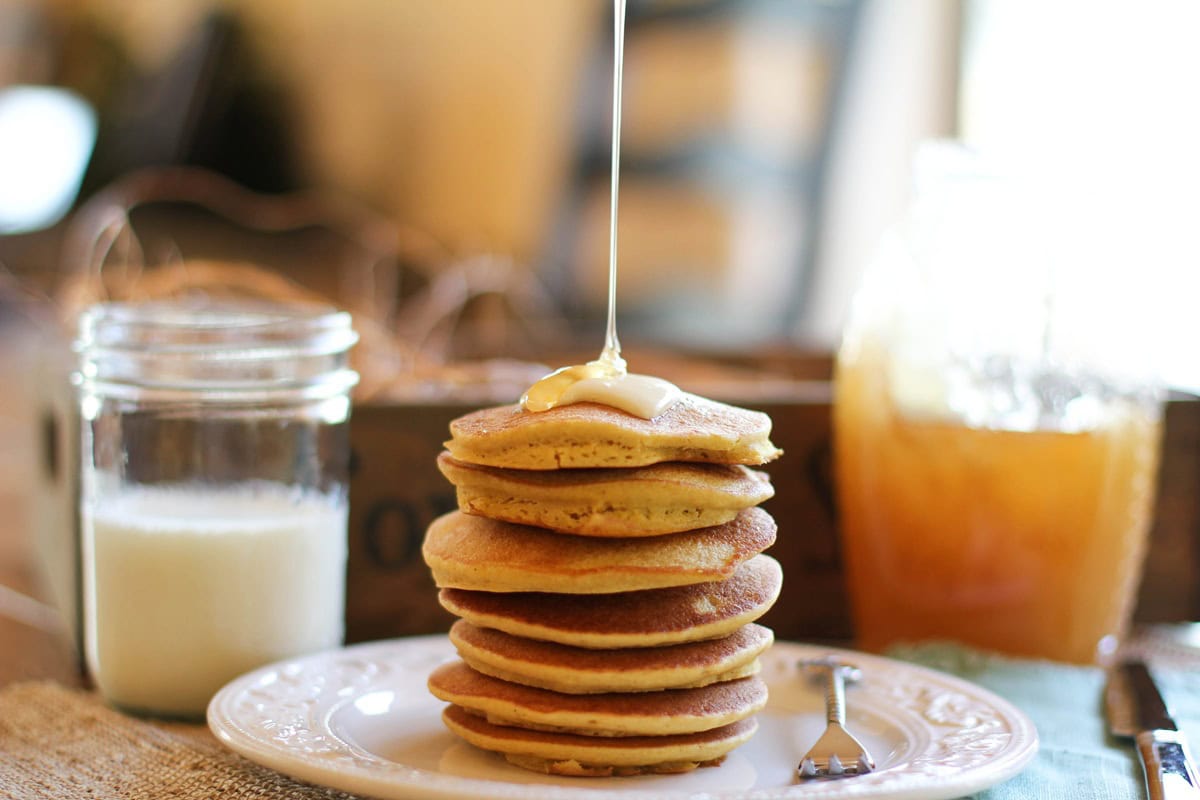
606, 380
611, 355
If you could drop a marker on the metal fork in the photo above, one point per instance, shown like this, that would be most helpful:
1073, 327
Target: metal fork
837, 753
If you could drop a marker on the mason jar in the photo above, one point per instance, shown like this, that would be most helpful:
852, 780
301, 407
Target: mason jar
213, 493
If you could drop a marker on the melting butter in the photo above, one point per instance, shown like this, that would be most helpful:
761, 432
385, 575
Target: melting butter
605, 383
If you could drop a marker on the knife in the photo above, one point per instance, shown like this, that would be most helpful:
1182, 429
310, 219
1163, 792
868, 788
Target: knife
1136, 710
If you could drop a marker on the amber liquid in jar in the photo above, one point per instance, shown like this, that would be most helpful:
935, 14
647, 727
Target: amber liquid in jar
1026, 542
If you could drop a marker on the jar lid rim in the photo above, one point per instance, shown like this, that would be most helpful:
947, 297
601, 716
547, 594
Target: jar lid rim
214, 348
210, 313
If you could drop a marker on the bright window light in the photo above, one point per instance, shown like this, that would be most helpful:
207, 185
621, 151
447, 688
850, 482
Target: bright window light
1098, 97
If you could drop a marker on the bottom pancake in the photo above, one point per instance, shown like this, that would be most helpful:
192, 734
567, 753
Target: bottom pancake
591, 756
670, 711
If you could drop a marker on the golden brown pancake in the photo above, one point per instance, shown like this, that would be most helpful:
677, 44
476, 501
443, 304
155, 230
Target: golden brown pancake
480, 554
661, 713
577, 670
629, 619
594, 435
593, 756
642, 501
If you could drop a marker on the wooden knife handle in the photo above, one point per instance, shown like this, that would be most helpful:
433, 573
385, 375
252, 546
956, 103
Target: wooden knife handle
1170, 772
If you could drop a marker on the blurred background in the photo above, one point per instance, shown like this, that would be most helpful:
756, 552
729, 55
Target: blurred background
767, 143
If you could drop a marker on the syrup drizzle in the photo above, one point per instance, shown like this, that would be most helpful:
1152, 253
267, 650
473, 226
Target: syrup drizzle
611, 355
607, 380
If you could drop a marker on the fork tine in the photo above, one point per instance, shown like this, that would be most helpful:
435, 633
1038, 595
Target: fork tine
836, 753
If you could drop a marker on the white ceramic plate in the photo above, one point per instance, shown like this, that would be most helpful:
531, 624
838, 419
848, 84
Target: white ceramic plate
360, 719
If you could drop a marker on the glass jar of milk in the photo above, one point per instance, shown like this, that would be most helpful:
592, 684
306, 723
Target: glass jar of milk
214, 493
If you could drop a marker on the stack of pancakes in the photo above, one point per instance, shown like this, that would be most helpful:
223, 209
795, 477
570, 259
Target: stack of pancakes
607, 571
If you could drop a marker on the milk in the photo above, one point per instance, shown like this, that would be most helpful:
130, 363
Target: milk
194, 585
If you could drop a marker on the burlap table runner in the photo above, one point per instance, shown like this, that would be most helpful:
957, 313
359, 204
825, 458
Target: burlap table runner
66, 744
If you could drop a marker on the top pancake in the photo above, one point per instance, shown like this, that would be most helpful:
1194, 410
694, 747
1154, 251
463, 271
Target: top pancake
594, 435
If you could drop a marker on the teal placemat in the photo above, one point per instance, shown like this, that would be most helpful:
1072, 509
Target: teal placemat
1076, 759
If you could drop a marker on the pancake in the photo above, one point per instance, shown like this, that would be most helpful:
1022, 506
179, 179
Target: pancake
599, 756
594, 435
577, 670
642, 501
629, 619
480, 554
661, 713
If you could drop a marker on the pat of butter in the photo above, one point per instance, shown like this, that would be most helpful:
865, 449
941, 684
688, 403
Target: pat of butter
641, 395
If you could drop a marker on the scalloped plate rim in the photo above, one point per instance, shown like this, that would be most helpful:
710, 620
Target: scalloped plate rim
370, 774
